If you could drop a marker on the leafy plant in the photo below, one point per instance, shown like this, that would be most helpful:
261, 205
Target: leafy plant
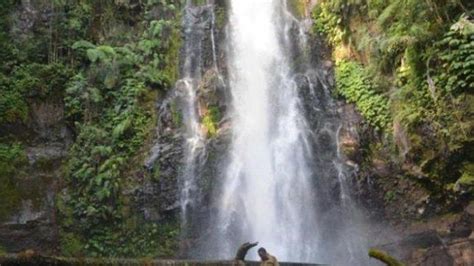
12, 158
456, 52
211, 119
411, 62
353, 83
111, 104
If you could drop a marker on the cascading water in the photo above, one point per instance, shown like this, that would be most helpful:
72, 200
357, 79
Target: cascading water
267, 194
186, 92
194, 145
283, 182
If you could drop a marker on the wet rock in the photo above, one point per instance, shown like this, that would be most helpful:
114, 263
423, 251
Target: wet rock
47, 122
52, 153
28, 213
37, 235
210, 88
434, 257
349, 146
349, 139
159, 193
470, 209
32, 223
422, 240
460, 252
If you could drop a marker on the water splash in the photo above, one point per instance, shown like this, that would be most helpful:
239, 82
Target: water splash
267, 191
285, 182
194, 24
213, 39
194, 146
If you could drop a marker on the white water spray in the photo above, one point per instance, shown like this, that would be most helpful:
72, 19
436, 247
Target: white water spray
283, 181
185, 91
267, 193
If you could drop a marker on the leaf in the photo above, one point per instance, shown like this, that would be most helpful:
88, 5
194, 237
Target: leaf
110, 80
108, 51
94, 55
121, 128
82, 45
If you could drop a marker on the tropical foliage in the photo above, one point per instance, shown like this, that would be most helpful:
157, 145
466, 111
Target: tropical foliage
107, 63
408, 67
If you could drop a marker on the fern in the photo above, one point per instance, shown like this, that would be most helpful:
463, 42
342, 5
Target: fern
353, 83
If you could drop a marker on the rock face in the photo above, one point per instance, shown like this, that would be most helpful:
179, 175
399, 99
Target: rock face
32, 223
45, 138
445, 240
408, 223
203, 43
415, 227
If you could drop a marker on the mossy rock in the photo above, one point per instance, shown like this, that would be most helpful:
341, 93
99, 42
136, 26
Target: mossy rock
211, 120
297, 8
466, 182
71, 245
12, 160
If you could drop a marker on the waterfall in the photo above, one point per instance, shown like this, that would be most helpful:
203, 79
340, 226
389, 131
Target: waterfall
282, 179
267, 194
194, 26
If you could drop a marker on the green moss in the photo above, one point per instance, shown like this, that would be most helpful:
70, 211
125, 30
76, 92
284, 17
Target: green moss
13, 106
155, 175
11, 199
211, 120
168, 239
12, 160
176, 114
389, 196
65, 210
8, 51
199, 2
3, 250
297, 8
45, 164
221, 16
172, 56
467, 177
71, 245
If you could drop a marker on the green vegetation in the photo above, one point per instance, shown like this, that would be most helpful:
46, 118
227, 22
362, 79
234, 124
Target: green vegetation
384, 257
12, 159
211, 120
106, 63
112, 104
29, 81
467, 178
176, 115
408, 67
298, 8
353, 83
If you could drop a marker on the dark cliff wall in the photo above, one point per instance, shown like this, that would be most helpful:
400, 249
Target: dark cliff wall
79, 82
